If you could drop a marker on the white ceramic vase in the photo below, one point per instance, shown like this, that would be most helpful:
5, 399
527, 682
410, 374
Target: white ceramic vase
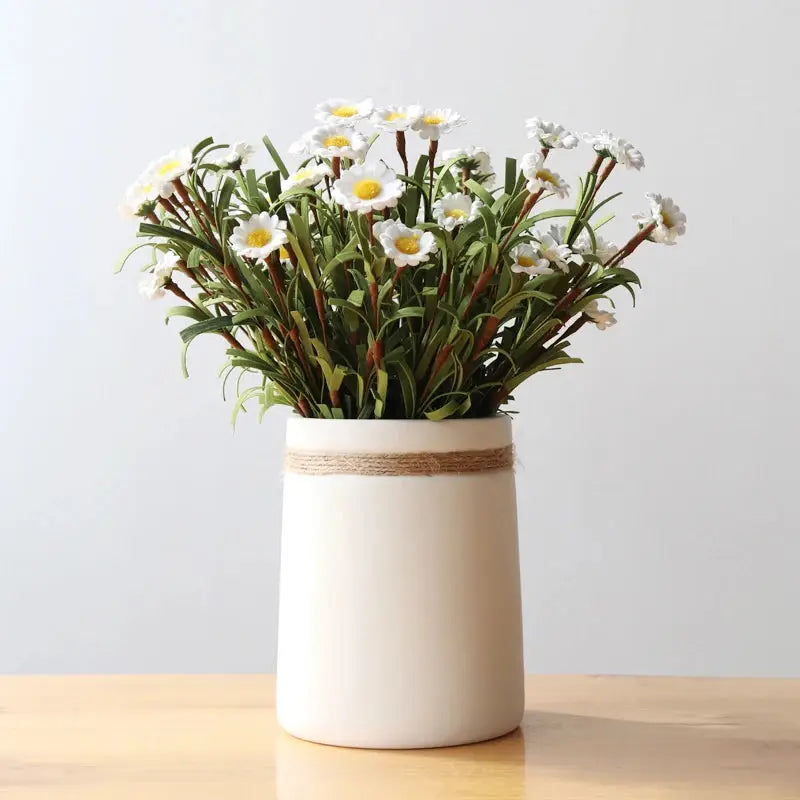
400, 622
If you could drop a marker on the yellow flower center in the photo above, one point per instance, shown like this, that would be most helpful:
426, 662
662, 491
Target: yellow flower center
407, 244
168, 166
283, 253
525, 261
546, 176
392, 116
258, 238
667, 219
336, 141
367, 189
302, 174
433, 120
344, 111
455, 213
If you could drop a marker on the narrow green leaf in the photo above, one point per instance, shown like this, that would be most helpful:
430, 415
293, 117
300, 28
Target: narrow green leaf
275, 157
215, 324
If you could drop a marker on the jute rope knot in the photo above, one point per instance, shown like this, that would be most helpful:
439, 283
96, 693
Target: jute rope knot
454, 462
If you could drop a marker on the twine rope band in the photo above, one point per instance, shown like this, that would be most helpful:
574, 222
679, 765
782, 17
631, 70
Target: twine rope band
455, 462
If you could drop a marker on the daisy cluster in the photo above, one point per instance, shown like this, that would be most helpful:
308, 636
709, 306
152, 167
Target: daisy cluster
350, 225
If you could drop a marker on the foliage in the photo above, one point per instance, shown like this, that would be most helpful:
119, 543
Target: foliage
334, 328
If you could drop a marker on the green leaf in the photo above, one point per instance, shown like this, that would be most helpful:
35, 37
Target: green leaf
185, 311
275, 157
511, 176
453, 408
523, 376
150, 229
480, 192
121, 263
247, 394
356, 297
261, 311
407, 386
202, 144
215, 324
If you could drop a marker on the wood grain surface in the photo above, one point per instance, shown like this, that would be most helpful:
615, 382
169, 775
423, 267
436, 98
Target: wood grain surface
176, 737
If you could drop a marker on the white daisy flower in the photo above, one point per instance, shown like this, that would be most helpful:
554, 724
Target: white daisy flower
455, 209
309, 175
406, 246
604, 250
337, 141
300, 146
621, 150
237, 155
603, 319
526, 259
379, 227
550, 134
367, 187
343, 112
140, 197
539, 177
432, 124
554, 252
477, 160
151, 287
152, 284
258, 236
670, 220
396, 118
583, 244
168, 168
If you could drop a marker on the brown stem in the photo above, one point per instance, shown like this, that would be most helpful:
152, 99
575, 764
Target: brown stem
530, 202
576, 325
183, 194
396, 277
302, 407
232, 275
477, 289
400, 143
632, 244
153, 218
377, 352
373, 296
319, 301
437, 365
464, 178
294, 336
603, 176
336, 166
371, 222
489, 329
273, 264
444, 280
316, 215
172, 210
178, 292
597, 162
432, 148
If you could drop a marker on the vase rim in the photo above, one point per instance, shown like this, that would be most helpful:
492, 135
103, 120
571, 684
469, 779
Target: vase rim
397, 435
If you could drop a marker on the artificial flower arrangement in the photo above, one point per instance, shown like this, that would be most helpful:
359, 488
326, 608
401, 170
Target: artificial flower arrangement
351, 289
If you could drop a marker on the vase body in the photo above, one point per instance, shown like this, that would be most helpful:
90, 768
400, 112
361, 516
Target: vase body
400, 622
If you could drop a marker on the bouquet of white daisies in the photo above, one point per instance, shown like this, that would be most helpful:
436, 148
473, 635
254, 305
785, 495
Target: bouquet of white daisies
351, 288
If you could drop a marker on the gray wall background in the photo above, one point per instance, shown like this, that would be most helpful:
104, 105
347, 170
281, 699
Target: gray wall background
658, 514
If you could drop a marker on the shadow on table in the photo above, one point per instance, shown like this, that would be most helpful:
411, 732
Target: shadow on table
701, 753
552, 751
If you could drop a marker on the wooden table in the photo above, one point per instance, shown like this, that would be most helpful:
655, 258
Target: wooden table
159, 737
